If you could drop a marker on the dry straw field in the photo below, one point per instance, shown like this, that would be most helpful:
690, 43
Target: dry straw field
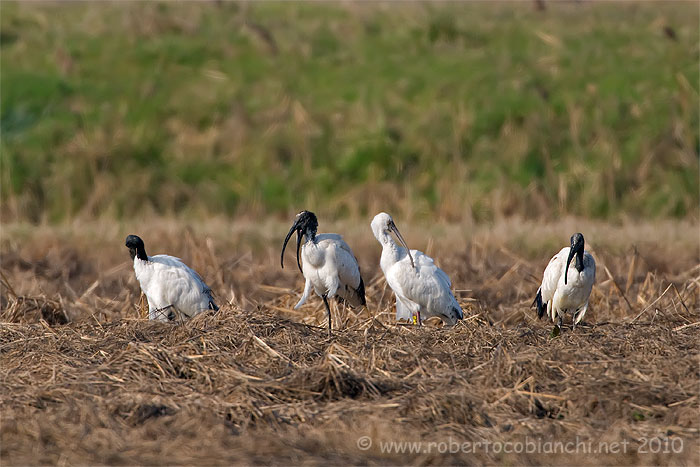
87, 380
176, 120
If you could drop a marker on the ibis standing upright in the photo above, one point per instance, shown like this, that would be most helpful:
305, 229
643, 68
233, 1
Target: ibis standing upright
565, 286
421, 288
327, 263
173, 290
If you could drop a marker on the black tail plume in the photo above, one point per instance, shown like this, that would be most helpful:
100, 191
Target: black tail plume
361, 292
541, 307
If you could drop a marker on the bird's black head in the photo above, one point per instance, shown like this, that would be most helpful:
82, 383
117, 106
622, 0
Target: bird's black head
136, 247
305, 223
577, 241
577, 246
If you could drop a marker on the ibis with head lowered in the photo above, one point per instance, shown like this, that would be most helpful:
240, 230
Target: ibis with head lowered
173, 290
422, 289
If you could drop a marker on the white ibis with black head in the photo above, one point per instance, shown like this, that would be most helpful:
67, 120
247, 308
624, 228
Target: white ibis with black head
173, 290
566, 287
421, 288
327, 263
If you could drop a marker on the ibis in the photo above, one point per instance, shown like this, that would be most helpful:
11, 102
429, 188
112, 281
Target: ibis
565, 286
422, 289
173, 289
327, 263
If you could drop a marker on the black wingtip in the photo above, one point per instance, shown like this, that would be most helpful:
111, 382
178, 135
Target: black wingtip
541, 307
361, 292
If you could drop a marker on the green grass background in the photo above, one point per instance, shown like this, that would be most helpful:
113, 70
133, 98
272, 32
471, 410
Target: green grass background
449, 111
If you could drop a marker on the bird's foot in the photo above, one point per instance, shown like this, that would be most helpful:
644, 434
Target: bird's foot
170, 315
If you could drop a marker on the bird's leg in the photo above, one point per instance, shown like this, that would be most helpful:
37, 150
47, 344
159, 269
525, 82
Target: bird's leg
328, 309
158, 311
560, 321
344, 324
419, 321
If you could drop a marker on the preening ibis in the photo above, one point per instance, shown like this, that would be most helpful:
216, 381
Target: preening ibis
565, 286
327, 263
421, 288
172, 288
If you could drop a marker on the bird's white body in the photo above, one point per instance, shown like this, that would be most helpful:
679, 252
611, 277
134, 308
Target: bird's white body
172, 286
423, 289
330, 269
571, 297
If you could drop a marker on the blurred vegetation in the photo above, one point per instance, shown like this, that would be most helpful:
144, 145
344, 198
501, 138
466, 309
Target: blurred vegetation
449, 110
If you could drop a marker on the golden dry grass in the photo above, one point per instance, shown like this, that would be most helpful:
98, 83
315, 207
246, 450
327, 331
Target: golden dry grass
86, 380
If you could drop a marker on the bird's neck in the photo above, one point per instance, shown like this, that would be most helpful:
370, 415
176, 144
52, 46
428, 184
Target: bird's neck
139, 253
579, 261
390, 249
310, 235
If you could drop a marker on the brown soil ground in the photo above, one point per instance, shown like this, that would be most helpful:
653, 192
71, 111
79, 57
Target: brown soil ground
87, 380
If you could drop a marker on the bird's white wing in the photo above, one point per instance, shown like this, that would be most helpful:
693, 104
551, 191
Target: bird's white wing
348, 269
338, 241
314, 253
187, 271
168, 261
348, 272
177, 284
552, 273
426, 285
408, 281
398, 276
330, 266
427, 263
343, 258
331, 236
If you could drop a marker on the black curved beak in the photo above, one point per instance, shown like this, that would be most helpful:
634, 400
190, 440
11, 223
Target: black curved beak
295, 227
572, 253
403, 242
299, 235
286, 239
